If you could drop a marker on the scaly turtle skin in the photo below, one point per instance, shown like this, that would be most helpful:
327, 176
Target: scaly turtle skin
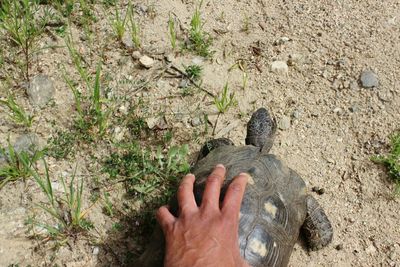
275, 207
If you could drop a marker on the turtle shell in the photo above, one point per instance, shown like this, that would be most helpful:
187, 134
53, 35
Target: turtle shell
273, 207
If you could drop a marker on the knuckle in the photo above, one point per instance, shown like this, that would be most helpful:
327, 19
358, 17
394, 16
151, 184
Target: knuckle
236, 187
213, 178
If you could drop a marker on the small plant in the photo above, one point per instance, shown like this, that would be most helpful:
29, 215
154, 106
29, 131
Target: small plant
17, 164
172, 31
108, 206
193, 71
134, 27
17, 18
151, 176
199, 41
224, 102
246, 24
16, 112
92, 116
66, 211
119, 24
392, 161
61, 145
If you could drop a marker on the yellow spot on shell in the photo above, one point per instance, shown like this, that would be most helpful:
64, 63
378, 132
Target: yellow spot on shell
250, 180
258, 247
270, 209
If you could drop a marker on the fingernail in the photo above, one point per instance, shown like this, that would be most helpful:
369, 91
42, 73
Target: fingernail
220, 166
245, 175
190, 175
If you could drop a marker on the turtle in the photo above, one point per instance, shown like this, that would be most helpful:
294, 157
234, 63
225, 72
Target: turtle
276, 208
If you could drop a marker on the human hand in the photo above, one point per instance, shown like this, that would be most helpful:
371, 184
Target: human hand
204, 236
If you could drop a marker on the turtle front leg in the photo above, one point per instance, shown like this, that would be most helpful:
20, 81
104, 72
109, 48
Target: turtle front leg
316, 229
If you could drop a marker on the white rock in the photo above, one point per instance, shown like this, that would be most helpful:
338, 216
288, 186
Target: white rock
279, 67
136, 55
146, 61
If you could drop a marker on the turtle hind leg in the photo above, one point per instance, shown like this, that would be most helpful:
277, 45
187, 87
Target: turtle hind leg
213, 144
261, 130
317, 229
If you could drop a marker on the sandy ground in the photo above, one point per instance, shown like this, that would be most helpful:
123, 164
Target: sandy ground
334, 126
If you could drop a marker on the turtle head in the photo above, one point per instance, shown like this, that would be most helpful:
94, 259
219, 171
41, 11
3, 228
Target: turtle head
261, 130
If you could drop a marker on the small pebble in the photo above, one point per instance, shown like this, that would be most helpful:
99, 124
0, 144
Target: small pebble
282, 40
169, 58
318, 190
337, 110
146, 61
296, 114
96, 250
184, 83
339, 247
284, 123
353, 85
279, 67
127, 41
369, 79
136, 55
195, 122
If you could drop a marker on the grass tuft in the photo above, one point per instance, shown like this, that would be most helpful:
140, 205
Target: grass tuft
172, 31
66, 210
19, 20
392, 161
193, 72
224, 101
16, 112
199, 40
16, 164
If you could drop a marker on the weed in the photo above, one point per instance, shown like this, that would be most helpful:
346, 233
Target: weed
62, 145
246, 24
172, 31
66, 211
16, 112
108, 206
150, 176
199, 41
224, 102
119, 24
92, 119
17, 164
193, 71
392, 161
17, 18
134, 27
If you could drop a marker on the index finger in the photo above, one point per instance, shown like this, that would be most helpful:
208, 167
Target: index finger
234, 195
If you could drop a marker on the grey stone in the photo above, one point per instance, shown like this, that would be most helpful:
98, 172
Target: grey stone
136, 55
385, 95
282, 40
369, 79
40, 91
296, 114
279, 67
27, 142
284, 123
146, 61
353, 85
184, 83
195, 122
127, 41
